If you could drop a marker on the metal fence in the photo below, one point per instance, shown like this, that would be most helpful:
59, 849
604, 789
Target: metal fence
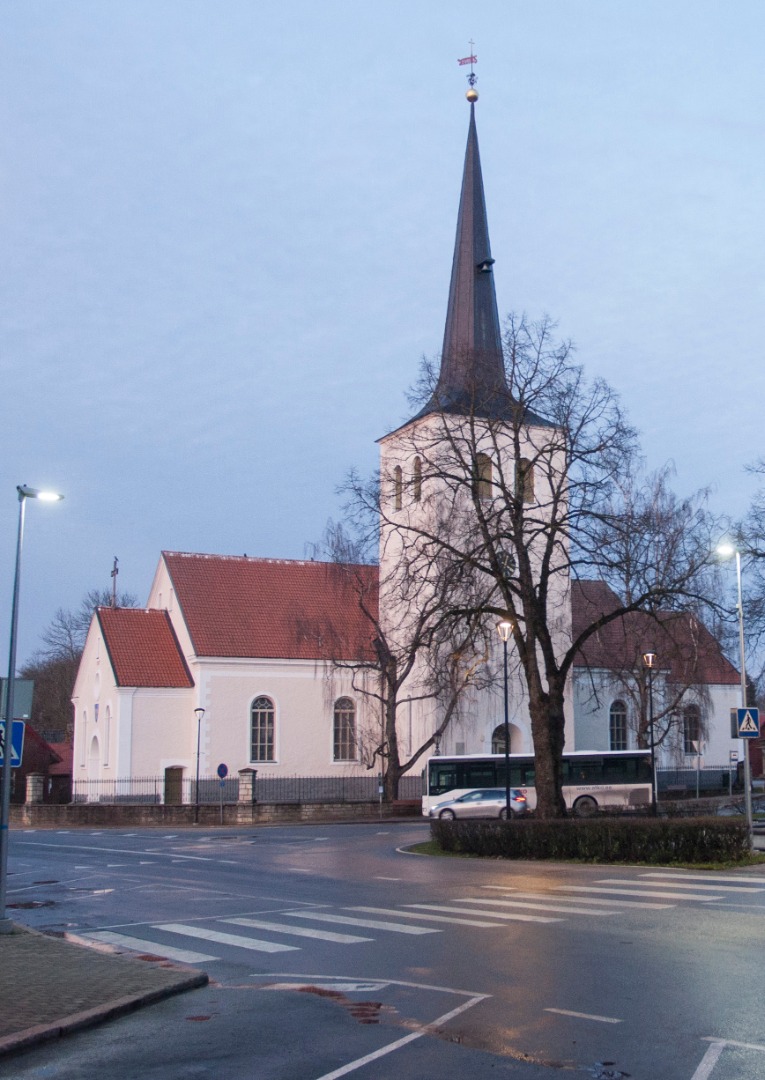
150, 790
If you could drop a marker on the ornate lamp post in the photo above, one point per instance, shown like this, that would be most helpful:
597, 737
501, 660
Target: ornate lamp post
24, 493
649, 662
504, 629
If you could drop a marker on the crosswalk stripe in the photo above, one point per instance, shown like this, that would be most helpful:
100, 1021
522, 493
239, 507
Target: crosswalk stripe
298, 931
534, 907
514, 915
183, 956
420, 915
675, 885
613, 903
225, 939
371, 924
719, 882
638, 892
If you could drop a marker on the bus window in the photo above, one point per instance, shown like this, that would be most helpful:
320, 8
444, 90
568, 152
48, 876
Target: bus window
584, 771
479, 775
442, 778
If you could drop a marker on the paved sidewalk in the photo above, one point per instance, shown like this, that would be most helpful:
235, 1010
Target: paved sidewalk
50, 987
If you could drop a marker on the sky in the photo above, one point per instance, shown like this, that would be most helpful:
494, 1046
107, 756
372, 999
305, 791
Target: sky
227, 229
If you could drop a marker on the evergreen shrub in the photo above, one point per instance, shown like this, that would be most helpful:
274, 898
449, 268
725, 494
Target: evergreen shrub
599, 840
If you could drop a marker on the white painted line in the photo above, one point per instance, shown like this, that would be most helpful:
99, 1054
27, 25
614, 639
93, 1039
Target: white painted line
371, 924
298, 931
298, 870
706, 877
674, 884
514, 915
184, 956
115, 865
381, 877
639, 892
339, 987
708, 1062
649, 904
586, 1016
225, 939
420, 915
384, 1050
733, 1042
536, 906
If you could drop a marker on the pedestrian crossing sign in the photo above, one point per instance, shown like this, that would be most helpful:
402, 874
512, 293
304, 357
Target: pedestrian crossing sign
748, 723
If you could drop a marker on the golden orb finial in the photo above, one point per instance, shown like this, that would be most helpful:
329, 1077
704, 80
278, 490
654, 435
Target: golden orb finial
472, 95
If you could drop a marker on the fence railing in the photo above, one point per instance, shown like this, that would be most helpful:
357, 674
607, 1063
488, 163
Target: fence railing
268, 789
711, 779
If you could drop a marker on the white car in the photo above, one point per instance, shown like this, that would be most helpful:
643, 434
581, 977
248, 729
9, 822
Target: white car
482, 803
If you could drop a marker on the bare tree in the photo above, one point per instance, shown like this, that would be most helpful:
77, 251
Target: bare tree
523, 492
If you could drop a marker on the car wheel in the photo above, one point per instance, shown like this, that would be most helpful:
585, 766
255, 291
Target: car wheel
503, 813
447, 815
585, 807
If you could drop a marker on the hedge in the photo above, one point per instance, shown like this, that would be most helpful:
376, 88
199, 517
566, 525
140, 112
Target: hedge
603, 840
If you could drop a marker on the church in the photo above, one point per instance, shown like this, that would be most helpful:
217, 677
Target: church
275, 665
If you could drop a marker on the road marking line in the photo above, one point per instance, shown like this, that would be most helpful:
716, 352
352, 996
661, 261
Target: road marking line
184, 956
733, 1042
421, 915
674, 884
381, 877
516, 915
225, 939
639, 892
595, 900
586, 1016
298, 931
535, 907
708, 1062
371, 924
384, 1050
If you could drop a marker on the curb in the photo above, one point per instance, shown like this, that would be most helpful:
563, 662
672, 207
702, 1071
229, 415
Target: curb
90, 1017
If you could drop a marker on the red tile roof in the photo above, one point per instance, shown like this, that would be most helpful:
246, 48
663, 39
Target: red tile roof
143, 648
683, 644
274, 608
65, 753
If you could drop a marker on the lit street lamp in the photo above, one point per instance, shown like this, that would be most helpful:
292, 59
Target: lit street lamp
199, 713
24, 493
726, 551
504, 629
649, 662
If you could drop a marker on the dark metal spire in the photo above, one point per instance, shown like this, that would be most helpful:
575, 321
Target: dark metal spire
472, 375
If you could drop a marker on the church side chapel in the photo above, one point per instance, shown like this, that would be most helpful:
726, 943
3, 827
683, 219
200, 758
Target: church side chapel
307, 668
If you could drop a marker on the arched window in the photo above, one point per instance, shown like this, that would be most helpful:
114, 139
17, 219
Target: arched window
617, 726
524, 480
691, 729
483, 478
344, 730
398, 487
262, 723
417, 480
498, 740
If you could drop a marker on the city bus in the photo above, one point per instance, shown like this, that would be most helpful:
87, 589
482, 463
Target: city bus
592, 780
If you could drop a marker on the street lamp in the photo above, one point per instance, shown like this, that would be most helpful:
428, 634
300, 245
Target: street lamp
24, 493
649, 662
504, 629
199, 713
726, 550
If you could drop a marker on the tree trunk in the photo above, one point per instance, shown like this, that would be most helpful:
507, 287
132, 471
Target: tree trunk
548, 733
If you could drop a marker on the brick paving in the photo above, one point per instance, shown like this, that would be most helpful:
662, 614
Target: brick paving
50, 986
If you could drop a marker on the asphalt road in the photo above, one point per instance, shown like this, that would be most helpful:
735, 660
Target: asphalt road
333, 953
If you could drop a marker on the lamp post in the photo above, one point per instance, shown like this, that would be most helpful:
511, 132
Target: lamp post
503, 629
649, 662
199, 713
726, 550
24, 493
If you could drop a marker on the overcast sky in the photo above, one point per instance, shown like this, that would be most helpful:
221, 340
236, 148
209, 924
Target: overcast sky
227, 230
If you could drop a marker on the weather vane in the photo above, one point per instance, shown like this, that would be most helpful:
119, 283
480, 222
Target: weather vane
472, 59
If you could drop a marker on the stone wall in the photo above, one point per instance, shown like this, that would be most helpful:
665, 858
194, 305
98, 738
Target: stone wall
104, 815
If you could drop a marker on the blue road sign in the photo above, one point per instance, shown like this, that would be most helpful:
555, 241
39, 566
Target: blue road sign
17, 742
748, 723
